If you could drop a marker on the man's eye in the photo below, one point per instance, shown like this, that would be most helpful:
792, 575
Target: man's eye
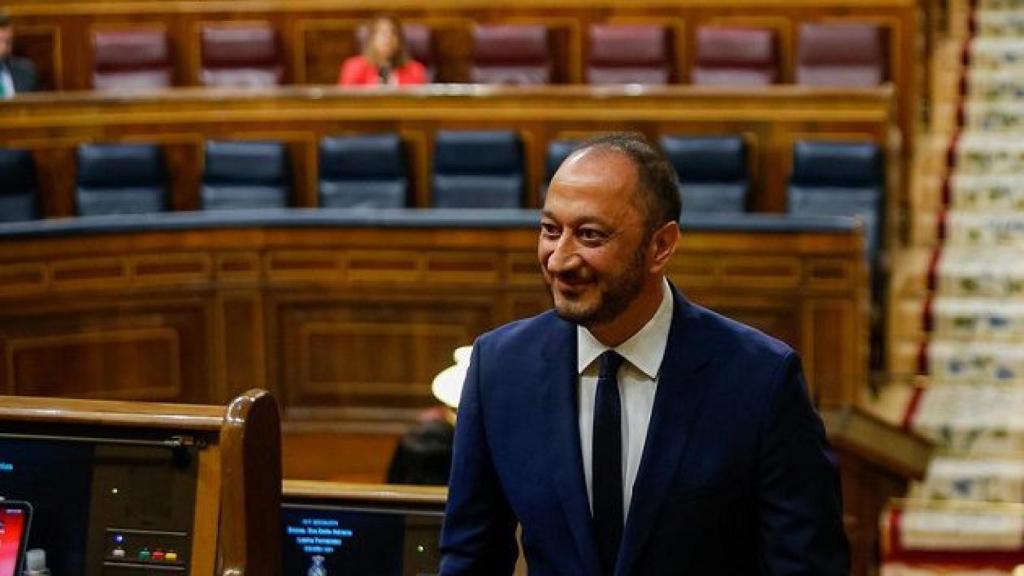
591, 235
549, 230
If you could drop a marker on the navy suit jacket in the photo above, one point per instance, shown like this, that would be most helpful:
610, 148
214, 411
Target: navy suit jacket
736, 477
23, 74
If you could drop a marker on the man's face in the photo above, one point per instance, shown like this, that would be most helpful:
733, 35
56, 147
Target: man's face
6, 42
592, 248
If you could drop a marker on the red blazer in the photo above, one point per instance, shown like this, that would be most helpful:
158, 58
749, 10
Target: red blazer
358, 71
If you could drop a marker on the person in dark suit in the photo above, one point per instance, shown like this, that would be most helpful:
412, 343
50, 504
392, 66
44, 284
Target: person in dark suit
17, 75
629, 431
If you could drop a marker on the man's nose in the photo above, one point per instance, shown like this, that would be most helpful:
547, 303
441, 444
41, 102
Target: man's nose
564, 256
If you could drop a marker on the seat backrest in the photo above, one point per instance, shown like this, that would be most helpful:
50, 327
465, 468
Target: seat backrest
511, 54
18, 186
419, 39
840, 55
712, 171
839, 164
236, 55
131, 59
558, 151
839, 178
478, 169
735, 57
245, 174
363, 171
120, 179
627, 54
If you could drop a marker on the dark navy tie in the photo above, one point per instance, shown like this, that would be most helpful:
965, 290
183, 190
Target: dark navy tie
607, 462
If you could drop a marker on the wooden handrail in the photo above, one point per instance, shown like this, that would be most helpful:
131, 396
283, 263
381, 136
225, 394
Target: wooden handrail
251, 486
111, 413
380, 493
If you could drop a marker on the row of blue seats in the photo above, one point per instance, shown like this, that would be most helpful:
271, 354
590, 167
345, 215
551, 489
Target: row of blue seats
472, 169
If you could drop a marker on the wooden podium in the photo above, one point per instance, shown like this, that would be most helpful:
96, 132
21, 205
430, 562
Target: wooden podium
877, 461
140, 487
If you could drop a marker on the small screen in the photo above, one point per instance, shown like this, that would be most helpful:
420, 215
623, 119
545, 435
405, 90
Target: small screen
55, 479
327, 541
12, 534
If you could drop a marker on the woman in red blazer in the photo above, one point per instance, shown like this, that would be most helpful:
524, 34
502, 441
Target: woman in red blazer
385, 59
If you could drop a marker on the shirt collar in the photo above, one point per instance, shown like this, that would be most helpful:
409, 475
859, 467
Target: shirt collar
645, 349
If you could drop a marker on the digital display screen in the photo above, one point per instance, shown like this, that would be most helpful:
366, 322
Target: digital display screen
329, 541
55, 478
13, 522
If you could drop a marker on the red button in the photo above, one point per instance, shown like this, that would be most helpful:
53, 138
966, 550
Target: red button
158, 554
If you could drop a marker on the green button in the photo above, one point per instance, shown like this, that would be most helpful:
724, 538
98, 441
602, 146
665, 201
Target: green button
144, 554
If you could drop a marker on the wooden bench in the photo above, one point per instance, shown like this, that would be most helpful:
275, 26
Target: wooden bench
770, 120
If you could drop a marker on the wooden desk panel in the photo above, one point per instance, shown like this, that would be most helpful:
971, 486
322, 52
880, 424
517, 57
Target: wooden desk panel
232, 494
348, 325
771, 120
316, 35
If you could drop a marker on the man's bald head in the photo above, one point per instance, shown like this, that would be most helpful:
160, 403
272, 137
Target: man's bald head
656, 184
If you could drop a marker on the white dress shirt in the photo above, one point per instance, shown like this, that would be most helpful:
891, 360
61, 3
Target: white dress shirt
8, 81
638, 381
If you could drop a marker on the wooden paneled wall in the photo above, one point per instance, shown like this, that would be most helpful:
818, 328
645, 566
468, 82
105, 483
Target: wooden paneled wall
316, 35
770, 120
349, 324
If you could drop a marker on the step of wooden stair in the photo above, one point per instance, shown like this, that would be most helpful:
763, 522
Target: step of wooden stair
976, 319
996, 53
979, 271
993, 193
998, 24
971, 419
1000, 117
987, 479
954, 529
978, 152
971, 361
982, 230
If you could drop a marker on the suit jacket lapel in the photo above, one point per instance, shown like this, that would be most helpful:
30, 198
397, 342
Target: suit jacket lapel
676, 403
562, 431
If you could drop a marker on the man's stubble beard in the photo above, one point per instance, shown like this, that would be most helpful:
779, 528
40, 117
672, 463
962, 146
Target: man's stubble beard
614, 299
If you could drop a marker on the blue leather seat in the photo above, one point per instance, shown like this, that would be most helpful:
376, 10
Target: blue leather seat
245, 174
558, 151
366, 171
120, 179
18, 189
478, 169
712, 172
839, 179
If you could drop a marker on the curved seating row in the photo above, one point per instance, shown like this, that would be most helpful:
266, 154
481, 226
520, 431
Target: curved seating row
840, 54
472, 169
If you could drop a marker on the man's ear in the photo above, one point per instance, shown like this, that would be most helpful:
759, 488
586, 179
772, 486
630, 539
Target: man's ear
663, 245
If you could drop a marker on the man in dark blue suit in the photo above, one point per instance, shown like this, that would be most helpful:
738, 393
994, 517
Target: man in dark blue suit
17, 75
629, 431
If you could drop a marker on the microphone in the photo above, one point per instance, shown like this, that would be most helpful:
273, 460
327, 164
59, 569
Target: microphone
384, 73
35, 563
